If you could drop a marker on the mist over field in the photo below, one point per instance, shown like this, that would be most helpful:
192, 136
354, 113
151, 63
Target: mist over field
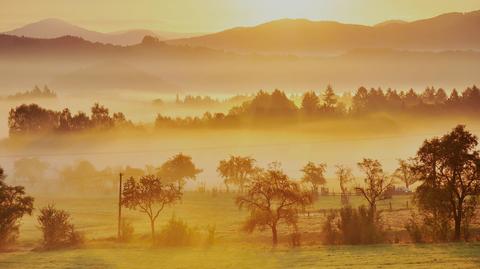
268, 134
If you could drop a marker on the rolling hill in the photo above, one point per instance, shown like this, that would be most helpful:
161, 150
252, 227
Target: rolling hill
55, 28
74, 63
452, 31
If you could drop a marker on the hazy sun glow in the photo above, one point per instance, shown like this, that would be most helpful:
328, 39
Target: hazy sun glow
215, 15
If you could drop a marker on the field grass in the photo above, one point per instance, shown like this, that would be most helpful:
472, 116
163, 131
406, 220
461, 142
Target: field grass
96, 217
380, 256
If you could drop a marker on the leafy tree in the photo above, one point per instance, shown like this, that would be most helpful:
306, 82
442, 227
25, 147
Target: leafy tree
376, 183
313, 174
405, 173
83, 177
100, 117
30, 170
57, 229
178, 169
31, 119
14, 204
272, 197
149, 195
360, 100
449, 169
345, 177
237, 171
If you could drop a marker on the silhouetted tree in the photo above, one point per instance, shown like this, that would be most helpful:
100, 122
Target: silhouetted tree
313, 174
450, 168
100, 117
360, 100
31, 119
345, 177
149, 195
57, 229
405, 173
329, 100
310, 103
237, 171
376, 183
272, 197
14, 204
178, 169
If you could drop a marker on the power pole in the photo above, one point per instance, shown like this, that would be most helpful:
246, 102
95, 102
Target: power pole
119, 206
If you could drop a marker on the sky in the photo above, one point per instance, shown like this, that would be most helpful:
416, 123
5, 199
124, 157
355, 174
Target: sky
201, 16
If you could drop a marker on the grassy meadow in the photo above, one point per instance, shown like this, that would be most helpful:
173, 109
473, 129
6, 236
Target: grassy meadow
96, 218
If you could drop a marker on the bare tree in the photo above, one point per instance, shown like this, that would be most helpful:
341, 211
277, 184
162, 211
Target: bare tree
149, 195
376, 183
345, 177
237, 171
270, 198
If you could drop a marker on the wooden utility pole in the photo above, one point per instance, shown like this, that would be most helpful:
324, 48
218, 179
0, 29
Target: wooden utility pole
119, 207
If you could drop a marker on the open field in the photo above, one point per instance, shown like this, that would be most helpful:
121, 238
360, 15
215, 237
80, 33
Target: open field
380, 256
96, 217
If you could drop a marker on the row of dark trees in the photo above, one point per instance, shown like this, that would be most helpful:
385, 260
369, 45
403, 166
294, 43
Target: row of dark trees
33, 119
35, 93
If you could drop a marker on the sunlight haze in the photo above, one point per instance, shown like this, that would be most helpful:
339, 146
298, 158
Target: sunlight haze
215, 15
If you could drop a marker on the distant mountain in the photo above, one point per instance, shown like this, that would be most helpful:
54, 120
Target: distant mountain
452, 31
55, 28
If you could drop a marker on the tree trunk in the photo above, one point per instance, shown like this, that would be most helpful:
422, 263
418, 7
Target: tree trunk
152, 226
458, 225
274, 235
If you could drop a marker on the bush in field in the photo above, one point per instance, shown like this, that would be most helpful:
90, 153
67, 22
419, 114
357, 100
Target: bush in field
330, 229
353, 227
13, 205
176, 233
57, 230
126, 231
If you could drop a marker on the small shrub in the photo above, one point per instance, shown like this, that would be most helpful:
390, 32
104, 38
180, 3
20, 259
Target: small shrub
176, 233
57, 230
352, 227
126, 231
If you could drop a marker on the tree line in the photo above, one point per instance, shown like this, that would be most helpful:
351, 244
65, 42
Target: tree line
33, 119
35, 93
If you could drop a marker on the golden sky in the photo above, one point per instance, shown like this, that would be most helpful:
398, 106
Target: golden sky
214, 15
